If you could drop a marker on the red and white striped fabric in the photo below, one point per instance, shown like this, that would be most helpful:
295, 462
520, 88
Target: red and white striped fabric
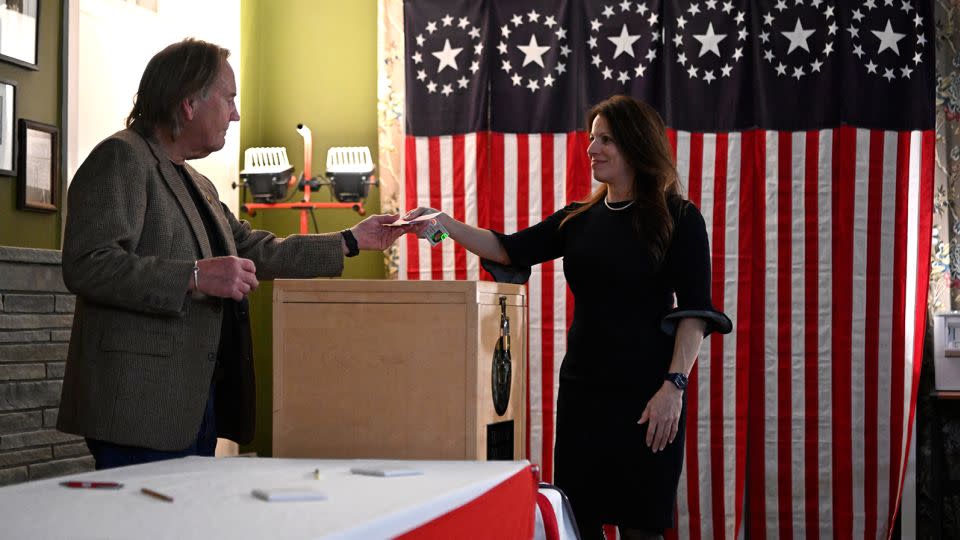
798, 420
820, 241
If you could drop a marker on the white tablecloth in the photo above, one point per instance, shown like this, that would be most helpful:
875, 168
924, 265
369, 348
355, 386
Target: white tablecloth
212, 499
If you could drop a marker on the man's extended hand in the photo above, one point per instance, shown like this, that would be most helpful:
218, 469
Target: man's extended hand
226, 277
372, 233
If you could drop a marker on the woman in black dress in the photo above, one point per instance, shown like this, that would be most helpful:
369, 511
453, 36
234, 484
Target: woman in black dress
637, 260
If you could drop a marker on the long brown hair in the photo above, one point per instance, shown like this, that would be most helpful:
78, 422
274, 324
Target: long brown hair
183, 70
641, 137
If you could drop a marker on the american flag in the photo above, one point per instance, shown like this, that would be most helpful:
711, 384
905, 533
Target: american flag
803, 131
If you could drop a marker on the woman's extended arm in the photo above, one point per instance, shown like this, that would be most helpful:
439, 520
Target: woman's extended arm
478, 241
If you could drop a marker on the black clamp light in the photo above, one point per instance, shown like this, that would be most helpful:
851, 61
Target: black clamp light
266, 173
350, 171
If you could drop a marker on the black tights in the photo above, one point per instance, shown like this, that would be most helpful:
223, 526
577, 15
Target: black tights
588, 523
627, 533
590, 526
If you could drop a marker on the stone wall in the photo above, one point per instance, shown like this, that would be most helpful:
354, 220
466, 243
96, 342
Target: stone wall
36, 312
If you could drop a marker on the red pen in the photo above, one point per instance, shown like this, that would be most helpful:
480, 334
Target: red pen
92, 485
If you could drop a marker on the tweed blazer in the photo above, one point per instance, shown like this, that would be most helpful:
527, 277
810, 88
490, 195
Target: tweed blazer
142, 349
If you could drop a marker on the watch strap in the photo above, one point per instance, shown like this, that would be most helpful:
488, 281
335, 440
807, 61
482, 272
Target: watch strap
678, 379
353, 249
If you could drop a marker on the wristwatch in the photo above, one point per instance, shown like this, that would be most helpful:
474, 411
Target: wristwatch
678, 379
352, 248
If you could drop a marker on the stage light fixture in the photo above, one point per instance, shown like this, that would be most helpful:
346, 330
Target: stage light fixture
266, 173
350, 172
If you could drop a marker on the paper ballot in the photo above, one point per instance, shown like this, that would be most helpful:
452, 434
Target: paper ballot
418, 219
434, 232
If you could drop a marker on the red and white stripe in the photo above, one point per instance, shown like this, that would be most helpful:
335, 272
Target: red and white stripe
441, 172
708, 505
798, 421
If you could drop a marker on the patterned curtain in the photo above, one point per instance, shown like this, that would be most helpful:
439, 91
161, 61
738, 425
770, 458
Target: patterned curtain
938, 426
390, 106
945, 253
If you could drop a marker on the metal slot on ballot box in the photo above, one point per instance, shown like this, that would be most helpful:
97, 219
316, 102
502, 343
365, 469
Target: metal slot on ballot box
500, 441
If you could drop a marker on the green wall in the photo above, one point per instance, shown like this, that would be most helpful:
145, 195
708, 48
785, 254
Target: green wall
38, 99
310, 62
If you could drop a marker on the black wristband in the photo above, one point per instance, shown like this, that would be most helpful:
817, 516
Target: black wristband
678, 379
352, 248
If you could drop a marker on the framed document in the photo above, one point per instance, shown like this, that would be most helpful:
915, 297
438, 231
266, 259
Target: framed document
8, 121
38, 166
19, 32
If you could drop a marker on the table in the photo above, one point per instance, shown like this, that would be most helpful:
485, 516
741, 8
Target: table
212, 499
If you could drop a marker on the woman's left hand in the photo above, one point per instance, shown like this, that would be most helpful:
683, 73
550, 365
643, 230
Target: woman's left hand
662, 414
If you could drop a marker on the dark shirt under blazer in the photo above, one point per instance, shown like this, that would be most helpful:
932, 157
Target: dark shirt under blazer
142, 351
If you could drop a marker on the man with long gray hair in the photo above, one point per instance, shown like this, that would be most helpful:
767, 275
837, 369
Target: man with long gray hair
160, 360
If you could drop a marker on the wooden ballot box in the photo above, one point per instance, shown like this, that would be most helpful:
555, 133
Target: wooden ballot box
395, 369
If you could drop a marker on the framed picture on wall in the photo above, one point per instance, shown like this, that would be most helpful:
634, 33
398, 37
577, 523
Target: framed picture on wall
38, 166
8, 119
20, 32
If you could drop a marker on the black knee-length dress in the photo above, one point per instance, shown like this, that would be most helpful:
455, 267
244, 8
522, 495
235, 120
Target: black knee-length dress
619, 349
